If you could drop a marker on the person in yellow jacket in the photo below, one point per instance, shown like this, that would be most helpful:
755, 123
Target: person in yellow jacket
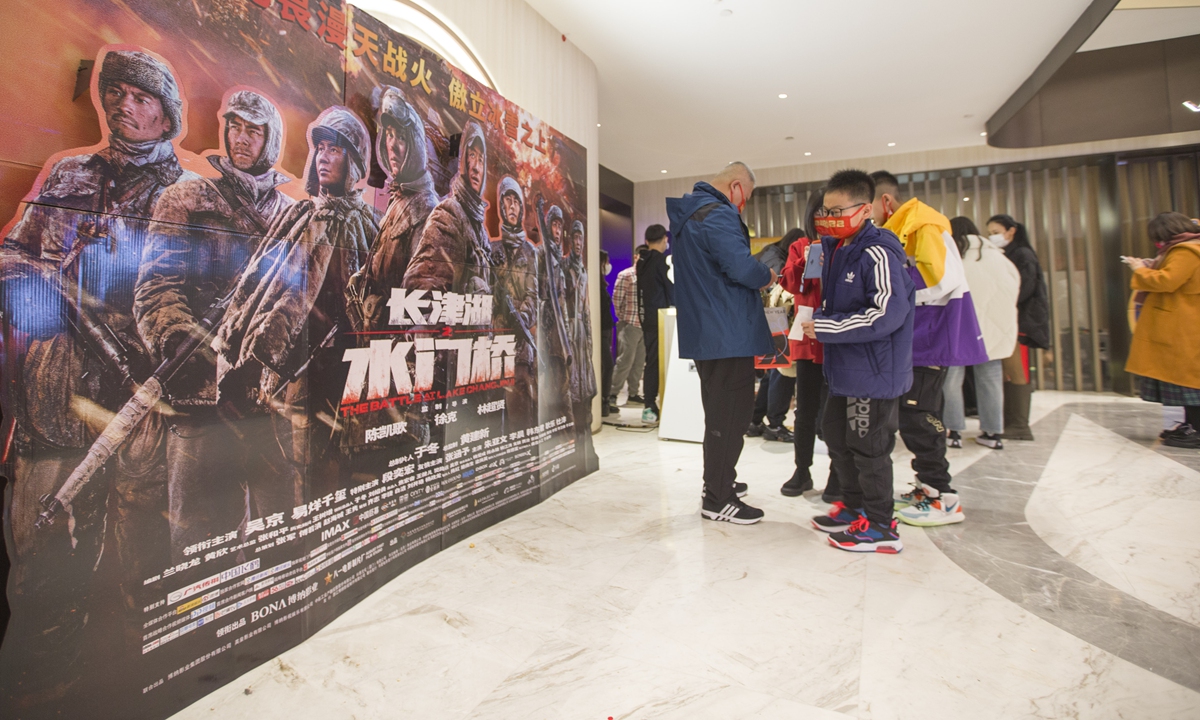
945, 334
1166, 343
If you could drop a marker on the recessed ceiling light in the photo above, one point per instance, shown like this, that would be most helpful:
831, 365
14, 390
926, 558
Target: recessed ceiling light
1191, 106
664, 171
597, 124
891, 144
807, 154
783, 96
966, 199
983, 134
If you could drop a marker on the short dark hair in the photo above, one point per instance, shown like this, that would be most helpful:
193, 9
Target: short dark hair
885, 182
1166, 226
855, 183
655, 232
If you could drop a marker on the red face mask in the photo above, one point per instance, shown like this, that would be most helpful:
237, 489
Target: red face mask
840, 227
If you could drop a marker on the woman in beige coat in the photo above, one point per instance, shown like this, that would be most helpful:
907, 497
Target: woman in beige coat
1166, 343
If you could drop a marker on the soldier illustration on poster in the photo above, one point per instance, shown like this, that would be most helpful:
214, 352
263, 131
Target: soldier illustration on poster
68, 267
264, 379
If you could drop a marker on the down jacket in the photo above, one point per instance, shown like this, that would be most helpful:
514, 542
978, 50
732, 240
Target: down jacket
995, 285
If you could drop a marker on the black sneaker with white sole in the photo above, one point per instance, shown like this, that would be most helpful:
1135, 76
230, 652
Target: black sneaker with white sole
1184, 436
735, 511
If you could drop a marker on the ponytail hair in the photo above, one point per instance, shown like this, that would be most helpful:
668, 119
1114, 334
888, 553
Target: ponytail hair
1020, 237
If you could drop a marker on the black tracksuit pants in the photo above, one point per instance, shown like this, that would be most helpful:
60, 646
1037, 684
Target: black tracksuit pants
727, 393
861, 434
922, 430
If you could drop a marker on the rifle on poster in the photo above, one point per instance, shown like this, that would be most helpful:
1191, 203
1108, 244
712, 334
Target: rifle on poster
131, 414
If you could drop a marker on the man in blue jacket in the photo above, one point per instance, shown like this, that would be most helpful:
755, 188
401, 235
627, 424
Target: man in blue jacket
866, 325
721, 325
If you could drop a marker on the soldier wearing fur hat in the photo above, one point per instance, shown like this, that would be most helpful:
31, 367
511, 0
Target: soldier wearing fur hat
400, 149
82, 235
516, 301
289, 311
579, 325
203, 234
454, 252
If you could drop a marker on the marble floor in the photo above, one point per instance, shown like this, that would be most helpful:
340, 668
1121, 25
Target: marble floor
1071, 591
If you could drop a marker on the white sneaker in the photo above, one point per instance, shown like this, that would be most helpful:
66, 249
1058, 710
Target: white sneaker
933, 511
915, 495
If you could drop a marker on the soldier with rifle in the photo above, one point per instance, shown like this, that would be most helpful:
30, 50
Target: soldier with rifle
67, 269
515, 285
555, 400
203, 235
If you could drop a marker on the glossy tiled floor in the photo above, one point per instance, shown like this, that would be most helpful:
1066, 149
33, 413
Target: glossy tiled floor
1072, 591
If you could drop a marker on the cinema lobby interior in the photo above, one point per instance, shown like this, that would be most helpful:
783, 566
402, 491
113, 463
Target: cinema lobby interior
619, 360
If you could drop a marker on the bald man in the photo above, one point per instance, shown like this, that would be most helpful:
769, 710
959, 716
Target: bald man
721, 325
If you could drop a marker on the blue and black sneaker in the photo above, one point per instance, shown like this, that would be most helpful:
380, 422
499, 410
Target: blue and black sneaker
838, 519
866, 536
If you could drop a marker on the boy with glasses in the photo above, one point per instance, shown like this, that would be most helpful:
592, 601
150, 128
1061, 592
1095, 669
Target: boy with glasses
865, 323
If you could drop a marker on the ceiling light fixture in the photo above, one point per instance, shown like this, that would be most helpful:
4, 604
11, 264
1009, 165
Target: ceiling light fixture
807, 154
1191, 106
783, 96
891, 144
664, 172
983, 134
597, 124
966, 199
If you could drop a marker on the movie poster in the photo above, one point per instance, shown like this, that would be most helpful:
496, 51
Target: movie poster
307, 306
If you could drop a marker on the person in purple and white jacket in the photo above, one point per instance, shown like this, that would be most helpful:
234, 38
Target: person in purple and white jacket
946, 334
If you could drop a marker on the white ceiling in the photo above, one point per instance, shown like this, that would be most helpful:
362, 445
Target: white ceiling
686, 88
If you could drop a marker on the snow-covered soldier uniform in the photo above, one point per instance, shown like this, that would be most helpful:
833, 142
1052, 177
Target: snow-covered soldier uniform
553, 336
579, 324
454, 252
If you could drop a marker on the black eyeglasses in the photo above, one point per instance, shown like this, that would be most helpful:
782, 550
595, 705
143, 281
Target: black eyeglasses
836, 212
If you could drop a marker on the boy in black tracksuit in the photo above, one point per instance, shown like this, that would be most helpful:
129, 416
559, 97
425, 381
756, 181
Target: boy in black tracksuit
866, 325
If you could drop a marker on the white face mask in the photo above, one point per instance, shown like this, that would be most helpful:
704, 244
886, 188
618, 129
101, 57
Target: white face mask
999, 240
607, 268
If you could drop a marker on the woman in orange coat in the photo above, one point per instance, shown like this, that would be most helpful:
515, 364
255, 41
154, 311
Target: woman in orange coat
1166, 344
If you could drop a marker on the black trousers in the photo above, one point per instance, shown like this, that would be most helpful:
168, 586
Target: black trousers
727, 393
812, 393
861, 434
773, 399
922, 430
650, 375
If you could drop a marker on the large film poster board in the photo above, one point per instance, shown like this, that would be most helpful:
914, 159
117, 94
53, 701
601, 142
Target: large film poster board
313, 308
